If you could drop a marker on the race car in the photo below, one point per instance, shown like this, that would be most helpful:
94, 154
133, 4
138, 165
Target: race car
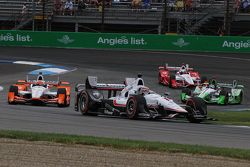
216, 93
40, 92
133, 100
179, 77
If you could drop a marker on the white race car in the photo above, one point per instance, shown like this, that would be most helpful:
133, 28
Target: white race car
179, 77
134, 100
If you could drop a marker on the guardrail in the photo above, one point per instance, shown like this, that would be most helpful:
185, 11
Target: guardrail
125, 41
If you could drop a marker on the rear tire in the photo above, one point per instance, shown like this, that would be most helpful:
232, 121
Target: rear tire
193, 105
172, 77
62, 91
13, 89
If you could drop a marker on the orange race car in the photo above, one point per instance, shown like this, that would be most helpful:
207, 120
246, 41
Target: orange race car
40, 92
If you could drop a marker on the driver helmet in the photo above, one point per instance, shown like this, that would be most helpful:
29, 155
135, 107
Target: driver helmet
183, 69
205, 84
213, 84
143, 90
40, 77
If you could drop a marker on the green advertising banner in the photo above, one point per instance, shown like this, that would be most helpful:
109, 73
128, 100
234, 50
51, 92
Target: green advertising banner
125, 41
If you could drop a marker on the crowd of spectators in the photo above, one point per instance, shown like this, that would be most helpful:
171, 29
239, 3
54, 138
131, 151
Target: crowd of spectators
70, 7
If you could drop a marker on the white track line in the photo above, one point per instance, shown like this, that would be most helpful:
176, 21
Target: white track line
235, 126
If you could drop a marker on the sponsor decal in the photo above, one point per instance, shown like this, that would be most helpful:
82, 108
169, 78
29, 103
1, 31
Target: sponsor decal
236, 45
9, 37
123, 40
180, 42
65, 40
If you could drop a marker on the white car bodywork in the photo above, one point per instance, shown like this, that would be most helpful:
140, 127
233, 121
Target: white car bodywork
38, 91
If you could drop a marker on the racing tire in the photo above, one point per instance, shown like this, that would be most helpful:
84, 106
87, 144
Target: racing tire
225, 93
172, 77
186, 91
240, 97
135, 105
62, 91
84, 103
159, 79
67, 104
13, 89
195, 105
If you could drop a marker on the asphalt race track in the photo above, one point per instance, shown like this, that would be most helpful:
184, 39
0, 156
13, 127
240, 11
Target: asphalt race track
113, 67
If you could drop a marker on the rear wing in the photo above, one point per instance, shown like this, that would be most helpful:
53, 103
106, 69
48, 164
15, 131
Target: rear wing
55, 82
92, 83
171, 68
232, 85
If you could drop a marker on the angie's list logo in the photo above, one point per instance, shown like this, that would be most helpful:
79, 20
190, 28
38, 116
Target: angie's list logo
9, 37
65, 40
180, 43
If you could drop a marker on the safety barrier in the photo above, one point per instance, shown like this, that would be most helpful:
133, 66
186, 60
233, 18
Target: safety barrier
125, 41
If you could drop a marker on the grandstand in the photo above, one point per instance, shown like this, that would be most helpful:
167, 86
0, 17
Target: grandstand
203, 17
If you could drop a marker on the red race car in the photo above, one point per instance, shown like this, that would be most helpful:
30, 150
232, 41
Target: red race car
179, 77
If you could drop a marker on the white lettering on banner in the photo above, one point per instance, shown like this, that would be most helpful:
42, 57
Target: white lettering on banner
18, 38
123, 40
7, 37
23, 38
236, 45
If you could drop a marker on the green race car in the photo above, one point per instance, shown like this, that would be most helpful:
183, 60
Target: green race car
216, 93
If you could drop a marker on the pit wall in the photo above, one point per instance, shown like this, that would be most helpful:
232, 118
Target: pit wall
125, 41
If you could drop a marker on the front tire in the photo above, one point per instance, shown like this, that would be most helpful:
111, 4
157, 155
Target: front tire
135, 105
224, 93
62, 91
196, 106
185, 92
240, 98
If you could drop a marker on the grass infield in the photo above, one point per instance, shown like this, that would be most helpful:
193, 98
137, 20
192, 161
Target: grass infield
230, 117
127, 144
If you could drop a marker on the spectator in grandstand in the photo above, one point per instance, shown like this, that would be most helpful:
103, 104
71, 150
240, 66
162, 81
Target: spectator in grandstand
39, 2
146, 4
81, 6
179, 5
136, 4
24, 9
187, 5
68, 7
237, 6
245, 5
108, 3
58, 6
94, 3
195, 4
171, 4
